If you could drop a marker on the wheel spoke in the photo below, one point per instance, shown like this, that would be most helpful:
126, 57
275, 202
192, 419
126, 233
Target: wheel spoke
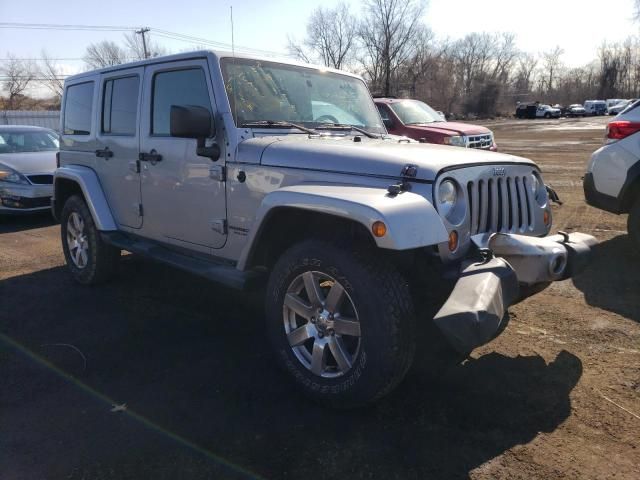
83, 256
339, 353
298, 305
346, 326
312, 288
76, 256
334, 297
317, 357
76, 222
300, 335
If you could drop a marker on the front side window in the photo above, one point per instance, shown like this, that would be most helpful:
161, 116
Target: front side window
383, 113
120, 106
77, 109
177, 87
270, 91
414, 112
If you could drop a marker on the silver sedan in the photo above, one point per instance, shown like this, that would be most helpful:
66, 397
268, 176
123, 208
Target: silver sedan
27, 163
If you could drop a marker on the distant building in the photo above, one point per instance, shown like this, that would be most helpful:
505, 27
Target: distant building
38, 118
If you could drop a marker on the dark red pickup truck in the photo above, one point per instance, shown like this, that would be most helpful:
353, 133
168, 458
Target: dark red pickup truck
417, 120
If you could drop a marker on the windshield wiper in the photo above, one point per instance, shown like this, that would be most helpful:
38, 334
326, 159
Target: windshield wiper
276, 124
345, 126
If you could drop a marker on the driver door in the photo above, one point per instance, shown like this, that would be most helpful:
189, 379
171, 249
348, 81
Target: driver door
183, 194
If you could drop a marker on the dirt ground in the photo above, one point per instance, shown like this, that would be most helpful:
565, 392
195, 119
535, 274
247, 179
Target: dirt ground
162, 375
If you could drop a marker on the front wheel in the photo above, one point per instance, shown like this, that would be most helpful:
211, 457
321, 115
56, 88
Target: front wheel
341, 323
633, 223
89, 259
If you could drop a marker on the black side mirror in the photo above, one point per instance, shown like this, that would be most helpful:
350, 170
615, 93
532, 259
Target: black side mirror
192, 121
387, 123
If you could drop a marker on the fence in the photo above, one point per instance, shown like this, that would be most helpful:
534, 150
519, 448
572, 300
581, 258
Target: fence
38, 118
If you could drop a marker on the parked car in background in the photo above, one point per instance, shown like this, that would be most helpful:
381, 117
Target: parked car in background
417, 120
526, 110
595, 107
27, 163
612, 181
547, 111
614, 101
575, 110
618, 107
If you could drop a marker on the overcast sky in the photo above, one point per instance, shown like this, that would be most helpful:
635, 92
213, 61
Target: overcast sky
578, 26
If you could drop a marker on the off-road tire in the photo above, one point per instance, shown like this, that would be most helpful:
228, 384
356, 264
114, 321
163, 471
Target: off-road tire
633, 224
102, 258
380, 295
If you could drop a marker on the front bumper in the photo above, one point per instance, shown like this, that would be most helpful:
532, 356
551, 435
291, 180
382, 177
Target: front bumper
515, 266
17, 199
598, 199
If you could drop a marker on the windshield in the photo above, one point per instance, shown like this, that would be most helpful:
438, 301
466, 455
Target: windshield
411, 112
269, 91
18, 141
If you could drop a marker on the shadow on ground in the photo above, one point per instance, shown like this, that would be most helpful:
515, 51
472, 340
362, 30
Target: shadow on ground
19, 223
612, 279
205, 400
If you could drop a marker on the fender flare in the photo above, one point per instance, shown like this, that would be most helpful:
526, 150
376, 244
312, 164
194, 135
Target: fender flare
411, 220
90, 186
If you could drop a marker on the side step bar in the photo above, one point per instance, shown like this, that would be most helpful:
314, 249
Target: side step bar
222, 273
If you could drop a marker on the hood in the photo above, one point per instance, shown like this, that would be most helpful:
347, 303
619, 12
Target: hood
450, 128
384, 158
30, 162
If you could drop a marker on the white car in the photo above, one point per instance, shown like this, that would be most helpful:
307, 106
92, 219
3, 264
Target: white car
576, 110
27, 163
595, 107
618, 107
547, 111
612, 181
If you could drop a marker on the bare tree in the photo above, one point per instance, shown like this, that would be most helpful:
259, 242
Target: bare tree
552, 64
388, 35
331, 35
18, 75
51, 75
104, 54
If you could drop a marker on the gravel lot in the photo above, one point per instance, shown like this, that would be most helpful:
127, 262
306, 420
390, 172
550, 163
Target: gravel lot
196, 393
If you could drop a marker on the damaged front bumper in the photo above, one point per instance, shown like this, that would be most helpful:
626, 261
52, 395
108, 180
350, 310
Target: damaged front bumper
514, 267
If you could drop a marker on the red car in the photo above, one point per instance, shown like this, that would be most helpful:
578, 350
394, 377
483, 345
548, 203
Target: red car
417, 120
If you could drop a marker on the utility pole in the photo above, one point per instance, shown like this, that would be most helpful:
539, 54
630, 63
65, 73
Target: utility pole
142, 31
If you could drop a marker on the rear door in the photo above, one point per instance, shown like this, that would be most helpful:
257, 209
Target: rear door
183, 194
118, 144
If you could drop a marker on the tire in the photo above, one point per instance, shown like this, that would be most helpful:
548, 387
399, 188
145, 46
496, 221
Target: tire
373, 293
633, 224
90, 260
547, 115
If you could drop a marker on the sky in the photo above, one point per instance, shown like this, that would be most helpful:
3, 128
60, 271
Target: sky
577, 26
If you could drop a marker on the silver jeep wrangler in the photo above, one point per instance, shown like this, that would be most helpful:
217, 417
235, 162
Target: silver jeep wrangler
280, 176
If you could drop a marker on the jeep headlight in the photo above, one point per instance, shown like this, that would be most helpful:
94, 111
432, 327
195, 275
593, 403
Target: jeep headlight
8, 174
538, 189
447, 197
456, 141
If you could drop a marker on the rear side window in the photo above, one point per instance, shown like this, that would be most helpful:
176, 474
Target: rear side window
120, 106
177, 87
77, 109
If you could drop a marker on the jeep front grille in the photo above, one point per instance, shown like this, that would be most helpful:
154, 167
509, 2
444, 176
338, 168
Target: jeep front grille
480, 141
503, 204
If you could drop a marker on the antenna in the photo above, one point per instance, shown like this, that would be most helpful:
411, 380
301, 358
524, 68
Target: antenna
233, 80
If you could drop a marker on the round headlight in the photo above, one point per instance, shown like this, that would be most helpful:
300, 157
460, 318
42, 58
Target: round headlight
447, 197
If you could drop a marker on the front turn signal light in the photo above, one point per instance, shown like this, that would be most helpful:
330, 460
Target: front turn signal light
379, 229
453, 241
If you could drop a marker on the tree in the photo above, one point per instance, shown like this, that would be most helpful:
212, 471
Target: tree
51, 75
388, 35
331, 35
552, 63
104, 54
18, 75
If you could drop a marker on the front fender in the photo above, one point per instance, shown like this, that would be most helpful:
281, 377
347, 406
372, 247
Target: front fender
90, 186
411, 220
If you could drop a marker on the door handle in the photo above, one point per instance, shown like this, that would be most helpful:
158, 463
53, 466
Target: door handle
152, 157
104, 153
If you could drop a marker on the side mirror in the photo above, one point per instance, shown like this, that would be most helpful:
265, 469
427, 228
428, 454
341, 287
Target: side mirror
388, 123
192, 121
